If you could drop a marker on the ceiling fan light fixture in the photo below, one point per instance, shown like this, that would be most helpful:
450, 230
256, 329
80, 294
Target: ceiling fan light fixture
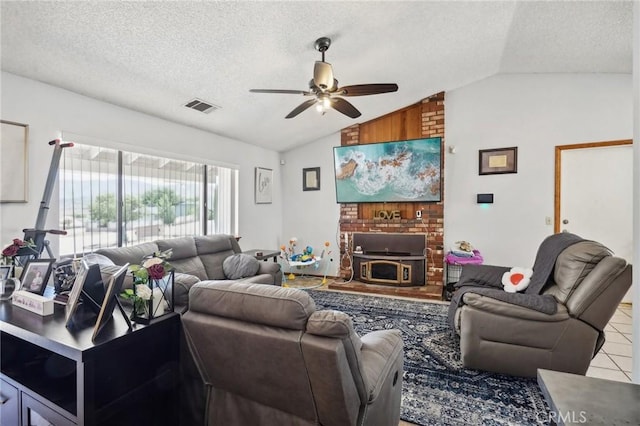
323, 75
326, 93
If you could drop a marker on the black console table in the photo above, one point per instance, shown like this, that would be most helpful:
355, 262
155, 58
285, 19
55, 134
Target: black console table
52, 372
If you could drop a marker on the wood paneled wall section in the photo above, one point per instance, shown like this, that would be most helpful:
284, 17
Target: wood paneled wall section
422, 120
397, 126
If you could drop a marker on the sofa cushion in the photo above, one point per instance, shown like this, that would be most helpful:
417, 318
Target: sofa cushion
206, 244
257, 303
334, 324
240, 266
213, 250
182, 284
190, 266
259, 279
181, 248
212, 263
573, 265
132, 254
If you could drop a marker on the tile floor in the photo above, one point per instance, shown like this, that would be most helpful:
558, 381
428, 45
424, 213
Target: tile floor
613, 362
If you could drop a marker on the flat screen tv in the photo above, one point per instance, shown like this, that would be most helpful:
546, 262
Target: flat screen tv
403, 171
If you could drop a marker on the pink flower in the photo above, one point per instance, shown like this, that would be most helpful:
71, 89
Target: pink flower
11, 250
156, 272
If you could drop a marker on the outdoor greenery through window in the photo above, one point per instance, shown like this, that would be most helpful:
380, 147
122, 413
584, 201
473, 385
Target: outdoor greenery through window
111, 198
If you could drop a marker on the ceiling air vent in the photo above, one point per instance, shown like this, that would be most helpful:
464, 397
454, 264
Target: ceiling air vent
202, 106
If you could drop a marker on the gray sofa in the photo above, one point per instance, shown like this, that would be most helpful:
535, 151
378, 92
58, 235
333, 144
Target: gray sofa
195, 259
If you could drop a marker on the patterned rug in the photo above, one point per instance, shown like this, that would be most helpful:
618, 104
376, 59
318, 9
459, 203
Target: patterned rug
436, 389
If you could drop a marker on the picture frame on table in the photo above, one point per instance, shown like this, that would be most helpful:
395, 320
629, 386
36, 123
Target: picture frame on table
5, 271
498, 161
35, 275
87, 289
311, 179
263, 185
114, 287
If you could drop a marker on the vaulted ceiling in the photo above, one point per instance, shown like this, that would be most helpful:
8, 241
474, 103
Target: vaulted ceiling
154, 57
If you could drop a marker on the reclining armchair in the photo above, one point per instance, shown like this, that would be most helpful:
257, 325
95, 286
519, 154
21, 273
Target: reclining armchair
267, 357
557, 326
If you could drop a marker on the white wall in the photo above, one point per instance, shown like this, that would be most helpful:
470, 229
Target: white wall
49, 111
534, 113
312, 216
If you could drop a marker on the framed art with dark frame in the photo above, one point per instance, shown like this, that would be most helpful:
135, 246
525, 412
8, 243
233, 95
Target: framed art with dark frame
264, 185
5, 271
110, 300
498, 161
311, 179
35, 275
14, 185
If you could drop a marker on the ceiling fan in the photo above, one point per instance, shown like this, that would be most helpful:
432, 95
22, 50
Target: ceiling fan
324, 89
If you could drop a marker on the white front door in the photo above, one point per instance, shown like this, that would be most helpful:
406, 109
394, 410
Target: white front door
597, 194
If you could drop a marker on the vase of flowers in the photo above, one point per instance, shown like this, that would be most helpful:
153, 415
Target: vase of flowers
10, 252
152, 292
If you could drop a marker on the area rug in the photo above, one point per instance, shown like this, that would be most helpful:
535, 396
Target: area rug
436, 389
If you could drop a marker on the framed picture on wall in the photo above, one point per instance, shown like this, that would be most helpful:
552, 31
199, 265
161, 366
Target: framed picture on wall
13, 162
498, 161
264, 185
311, 179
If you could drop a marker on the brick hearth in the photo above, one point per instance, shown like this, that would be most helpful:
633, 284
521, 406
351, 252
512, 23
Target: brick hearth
418, 292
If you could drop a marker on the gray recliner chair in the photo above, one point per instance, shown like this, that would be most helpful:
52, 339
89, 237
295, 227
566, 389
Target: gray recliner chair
267, 357
586, 285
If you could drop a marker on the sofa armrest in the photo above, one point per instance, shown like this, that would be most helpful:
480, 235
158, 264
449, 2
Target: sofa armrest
273, 269
498, 307
382, 360
268, 268
481, 275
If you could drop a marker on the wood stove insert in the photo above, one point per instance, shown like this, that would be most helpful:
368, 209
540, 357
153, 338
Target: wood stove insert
390, 259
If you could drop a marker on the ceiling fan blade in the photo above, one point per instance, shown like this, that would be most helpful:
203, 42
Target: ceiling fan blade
301, 107
345, 107
367, 89
323, 75
287, 92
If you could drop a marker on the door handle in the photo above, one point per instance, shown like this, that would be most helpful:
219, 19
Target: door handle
565, 221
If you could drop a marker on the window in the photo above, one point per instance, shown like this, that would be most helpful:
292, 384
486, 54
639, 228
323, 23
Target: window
112, 198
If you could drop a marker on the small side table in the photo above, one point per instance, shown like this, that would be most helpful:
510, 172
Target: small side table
265, 254
578, 399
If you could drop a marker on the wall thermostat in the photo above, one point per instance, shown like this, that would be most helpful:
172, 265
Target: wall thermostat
485, 199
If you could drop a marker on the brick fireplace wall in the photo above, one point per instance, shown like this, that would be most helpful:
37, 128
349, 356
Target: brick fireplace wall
422, 120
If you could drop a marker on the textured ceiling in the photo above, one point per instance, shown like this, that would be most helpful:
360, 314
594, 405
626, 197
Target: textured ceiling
155, 56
